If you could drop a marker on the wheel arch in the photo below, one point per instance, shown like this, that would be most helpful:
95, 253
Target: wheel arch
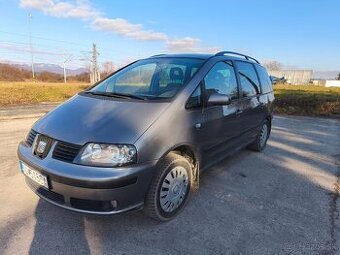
269, 120
192, 156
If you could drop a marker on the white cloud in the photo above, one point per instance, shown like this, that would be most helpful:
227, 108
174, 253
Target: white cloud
125, 28
189, 44
36, 4
80, 9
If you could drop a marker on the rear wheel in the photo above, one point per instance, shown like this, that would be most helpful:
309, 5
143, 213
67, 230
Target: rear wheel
261, 139
169, 189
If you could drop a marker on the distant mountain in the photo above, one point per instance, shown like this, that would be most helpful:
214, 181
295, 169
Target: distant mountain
52, 68
325, 74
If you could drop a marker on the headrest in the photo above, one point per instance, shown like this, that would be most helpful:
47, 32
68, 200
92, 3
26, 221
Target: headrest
218, 77
176, 73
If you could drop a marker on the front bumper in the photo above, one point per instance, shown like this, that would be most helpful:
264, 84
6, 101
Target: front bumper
88, 189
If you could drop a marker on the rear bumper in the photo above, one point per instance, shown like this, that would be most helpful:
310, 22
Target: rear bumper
93, 190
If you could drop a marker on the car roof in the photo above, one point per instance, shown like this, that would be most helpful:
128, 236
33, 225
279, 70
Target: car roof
184, 55
207, 56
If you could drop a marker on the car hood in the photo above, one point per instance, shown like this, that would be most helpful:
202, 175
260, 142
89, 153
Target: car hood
85, 119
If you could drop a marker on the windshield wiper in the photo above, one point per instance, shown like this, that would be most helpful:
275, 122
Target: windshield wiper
149, 96
128, 95
115, 94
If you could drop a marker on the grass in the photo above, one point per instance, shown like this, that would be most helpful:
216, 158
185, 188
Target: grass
307, 100
21, 93
290, 99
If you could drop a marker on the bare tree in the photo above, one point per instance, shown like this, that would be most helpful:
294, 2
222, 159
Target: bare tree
273, 65
338, 77
107, 68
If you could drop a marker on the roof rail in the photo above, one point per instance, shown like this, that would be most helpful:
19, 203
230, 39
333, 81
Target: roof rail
157, 55
222, 53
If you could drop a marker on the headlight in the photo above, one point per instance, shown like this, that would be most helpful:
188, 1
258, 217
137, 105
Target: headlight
108, 154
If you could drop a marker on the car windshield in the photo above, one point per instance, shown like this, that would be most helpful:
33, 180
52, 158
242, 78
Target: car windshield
155, 78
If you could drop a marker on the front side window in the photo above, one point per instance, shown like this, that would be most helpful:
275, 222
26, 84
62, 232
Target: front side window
221, 79
159, 78
195, 100
249, 82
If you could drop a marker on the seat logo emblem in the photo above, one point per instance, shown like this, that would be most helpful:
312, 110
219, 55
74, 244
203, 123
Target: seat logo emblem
41, 147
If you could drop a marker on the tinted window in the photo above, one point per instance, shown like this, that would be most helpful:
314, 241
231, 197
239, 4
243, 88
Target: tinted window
151, 78
221, 79
195, 100
249, 81
266, 83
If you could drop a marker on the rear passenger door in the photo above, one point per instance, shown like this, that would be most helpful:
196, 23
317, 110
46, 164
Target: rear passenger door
253, 110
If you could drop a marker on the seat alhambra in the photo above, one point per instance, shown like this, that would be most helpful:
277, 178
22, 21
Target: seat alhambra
141, 137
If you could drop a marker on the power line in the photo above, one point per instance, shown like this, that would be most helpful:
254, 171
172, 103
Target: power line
19, 57
51, 54
12, 48
43, 38
103, 49
60, 48
37, 44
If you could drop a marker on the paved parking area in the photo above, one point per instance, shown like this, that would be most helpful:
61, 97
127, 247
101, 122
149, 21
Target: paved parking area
284, 200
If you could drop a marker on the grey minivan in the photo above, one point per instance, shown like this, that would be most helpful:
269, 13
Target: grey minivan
142, 136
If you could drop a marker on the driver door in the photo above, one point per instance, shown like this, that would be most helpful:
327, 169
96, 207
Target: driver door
221, 122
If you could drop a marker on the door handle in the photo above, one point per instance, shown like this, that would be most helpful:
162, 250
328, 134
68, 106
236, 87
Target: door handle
198, 125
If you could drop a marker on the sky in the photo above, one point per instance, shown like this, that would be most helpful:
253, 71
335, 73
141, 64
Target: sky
302, 34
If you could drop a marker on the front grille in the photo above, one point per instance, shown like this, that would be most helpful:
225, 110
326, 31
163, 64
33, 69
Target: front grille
53, 196
30, 137
65, 151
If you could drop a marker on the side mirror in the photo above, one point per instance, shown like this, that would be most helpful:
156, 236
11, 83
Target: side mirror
273, 79
219, 99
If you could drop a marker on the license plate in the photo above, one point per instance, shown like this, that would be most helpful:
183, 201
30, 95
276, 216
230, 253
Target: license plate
34, 175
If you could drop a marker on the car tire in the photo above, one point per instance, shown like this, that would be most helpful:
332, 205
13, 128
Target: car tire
261, 139
170, 188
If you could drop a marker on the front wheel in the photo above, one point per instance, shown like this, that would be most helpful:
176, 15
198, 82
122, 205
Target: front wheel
169, 189
261, 139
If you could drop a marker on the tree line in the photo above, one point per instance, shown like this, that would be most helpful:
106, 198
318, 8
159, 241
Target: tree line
13, 73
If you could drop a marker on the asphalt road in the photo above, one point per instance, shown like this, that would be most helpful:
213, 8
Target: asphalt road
281, 201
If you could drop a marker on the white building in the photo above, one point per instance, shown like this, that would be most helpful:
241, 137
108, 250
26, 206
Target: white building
295, 77
332, 83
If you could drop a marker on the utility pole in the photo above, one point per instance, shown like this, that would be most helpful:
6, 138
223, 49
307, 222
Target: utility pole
64, 66
31, 48
95, 72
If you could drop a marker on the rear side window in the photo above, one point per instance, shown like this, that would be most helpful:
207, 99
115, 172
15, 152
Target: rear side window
264, 79
222, 79
249, 82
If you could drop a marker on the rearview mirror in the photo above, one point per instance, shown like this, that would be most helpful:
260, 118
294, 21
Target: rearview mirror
218, 99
